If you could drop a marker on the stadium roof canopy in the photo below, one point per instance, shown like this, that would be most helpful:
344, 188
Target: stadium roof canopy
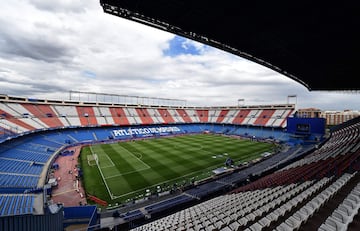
316, 43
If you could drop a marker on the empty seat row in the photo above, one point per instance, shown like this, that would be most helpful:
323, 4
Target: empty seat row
12, 166
26, 155
16, 204
302, 215
232, 210
288, 206
343, 215
13, 181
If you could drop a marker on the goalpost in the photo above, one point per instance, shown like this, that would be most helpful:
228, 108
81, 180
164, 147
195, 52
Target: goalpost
94, 158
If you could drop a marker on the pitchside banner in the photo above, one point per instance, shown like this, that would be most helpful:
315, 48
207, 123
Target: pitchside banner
144, 131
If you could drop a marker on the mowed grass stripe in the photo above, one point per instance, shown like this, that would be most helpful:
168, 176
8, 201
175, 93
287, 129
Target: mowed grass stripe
118, 159
124, 159
205, 148
155, 164
178, 146
211, 141
179, 161
171, 159
199, 156
238, 149
221, 141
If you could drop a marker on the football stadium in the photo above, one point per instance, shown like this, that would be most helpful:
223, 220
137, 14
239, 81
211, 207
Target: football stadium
157, 164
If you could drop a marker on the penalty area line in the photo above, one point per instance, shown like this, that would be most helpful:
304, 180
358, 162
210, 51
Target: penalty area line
103, 177
126, 173
136, 157
108, 166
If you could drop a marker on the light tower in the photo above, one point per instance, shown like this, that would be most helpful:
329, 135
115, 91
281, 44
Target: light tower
289, 97
241, 102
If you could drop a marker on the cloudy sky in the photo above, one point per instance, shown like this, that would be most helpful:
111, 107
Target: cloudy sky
50, 47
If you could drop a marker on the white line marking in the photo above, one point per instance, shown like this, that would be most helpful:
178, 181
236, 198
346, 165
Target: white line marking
108, 166
126, 173
135, 157
103, 178
163, 182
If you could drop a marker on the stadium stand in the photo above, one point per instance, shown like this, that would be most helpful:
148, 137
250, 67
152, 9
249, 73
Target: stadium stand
119, 116
193, 115
132, 116
104, 115
290, 192
86, 116
306, 187
68, 115
221, 116
241, 116
284, 191
44, 113
155, 116
184, 115
264, 117
20, 204
25, 158
288, 199
144, 116
30, 115
203, 115
11, 122
166, 116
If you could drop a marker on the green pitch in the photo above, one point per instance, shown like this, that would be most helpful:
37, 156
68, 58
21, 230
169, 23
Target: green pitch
125, 170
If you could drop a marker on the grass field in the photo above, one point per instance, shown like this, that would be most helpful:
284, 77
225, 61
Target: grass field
126, 169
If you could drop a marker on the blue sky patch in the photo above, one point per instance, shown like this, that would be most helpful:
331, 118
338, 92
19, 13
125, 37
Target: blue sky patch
89, 74
181, 46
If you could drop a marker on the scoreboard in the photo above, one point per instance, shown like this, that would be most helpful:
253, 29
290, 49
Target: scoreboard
306, 126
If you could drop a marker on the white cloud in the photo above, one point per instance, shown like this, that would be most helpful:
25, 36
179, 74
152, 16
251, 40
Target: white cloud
46, 50
65, 6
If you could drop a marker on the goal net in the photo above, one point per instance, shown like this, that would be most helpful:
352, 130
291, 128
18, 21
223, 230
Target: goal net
92, 159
